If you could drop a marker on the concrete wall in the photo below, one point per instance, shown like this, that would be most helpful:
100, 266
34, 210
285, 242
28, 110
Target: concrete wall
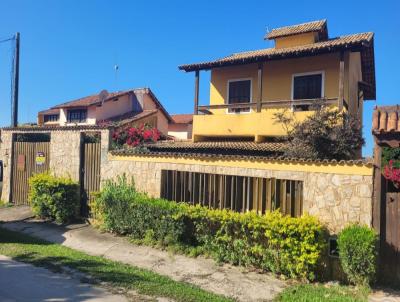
337, 194
180, 131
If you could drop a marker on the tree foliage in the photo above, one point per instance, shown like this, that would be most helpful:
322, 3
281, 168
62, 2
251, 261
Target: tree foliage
327, 134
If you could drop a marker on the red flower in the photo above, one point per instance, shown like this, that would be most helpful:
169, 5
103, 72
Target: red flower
156, 134
147, 134
393, 174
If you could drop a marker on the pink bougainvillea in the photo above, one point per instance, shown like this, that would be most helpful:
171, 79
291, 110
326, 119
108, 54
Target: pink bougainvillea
135, 136
393, 174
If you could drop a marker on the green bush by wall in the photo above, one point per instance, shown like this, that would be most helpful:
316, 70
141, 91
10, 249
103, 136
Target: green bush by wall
55, 198
281, 244
357, 251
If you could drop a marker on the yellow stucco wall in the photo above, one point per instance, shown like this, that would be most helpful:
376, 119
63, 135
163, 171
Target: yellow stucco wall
277, 77
296, 40
254, 125
342, 168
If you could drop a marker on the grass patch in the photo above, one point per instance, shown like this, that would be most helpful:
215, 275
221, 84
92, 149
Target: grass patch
321, 293
4, 204
54, 256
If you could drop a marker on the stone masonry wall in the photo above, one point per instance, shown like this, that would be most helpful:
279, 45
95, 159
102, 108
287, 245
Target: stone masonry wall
64, 153
337, 199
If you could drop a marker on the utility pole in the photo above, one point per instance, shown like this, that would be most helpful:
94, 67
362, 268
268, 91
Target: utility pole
14, 111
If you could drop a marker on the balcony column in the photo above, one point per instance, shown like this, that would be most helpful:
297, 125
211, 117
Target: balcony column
196, 92
341, 81
259, 86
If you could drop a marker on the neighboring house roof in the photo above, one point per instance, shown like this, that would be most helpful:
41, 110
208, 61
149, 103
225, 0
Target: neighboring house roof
49, 111
182, 118
314, 26
363, 42
92, 99
386, 119
129, 117
95, 100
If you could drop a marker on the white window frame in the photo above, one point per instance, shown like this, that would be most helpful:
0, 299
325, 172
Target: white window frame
251, 94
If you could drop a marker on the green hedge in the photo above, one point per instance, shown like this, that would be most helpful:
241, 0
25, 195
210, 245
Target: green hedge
281, 244
358, 251
55, 198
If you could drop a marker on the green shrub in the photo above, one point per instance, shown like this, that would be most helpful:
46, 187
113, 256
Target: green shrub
55, 198
126, 211
357, 252
285, 245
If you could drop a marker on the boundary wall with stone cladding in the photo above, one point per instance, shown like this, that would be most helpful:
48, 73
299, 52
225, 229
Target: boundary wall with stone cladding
337, 193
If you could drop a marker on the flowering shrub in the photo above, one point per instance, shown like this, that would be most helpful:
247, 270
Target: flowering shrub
136, 136
392, 173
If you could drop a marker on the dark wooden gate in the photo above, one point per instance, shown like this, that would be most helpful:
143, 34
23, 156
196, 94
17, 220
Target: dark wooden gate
390, 238
90, 171
28, 158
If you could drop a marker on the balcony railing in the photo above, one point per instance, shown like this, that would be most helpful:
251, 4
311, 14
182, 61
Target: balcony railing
271, 104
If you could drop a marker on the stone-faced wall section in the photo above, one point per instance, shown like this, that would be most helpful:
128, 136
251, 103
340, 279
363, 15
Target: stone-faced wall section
64, 152
337, 199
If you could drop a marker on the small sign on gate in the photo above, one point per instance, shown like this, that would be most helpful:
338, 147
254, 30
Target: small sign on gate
40, 159
21, 162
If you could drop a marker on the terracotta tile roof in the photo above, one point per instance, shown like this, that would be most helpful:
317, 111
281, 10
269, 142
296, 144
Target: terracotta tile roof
386, 119
238, 156
182, 118
271, 53
314, 26
363, 42
219, 147
92, 100
50, 111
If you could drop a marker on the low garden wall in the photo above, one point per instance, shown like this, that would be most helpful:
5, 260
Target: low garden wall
337, 193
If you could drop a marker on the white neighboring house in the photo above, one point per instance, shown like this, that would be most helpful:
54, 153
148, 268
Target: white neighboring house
181, 126
129, 107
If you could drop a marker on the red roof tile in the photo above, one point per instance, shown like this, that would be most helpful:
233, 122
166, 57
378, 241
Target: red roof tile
386, 119
182, 118
314, 26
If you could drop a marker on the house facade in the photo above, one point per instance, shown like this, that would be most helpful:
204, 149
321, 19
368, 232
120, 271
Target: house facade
305, 66
234, 160
124, 108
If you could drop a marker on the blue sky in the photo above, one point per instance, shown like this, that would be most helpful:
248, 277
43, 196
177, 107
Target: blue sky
69, 48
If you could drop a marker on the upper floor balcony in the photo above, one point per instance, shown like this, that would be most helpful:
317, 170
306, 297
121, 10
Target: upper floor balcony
252, 120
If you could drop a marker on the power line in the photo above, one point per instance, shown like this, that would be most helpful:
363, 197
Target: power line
7, 39
13, 77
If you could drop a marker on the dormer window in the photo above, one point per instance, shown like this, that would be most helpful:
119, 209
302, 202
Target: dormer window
77, 116
239, 91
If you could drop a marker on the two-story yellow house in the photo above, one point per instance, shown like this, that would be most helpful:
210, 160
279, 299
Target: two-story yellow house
304, 66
